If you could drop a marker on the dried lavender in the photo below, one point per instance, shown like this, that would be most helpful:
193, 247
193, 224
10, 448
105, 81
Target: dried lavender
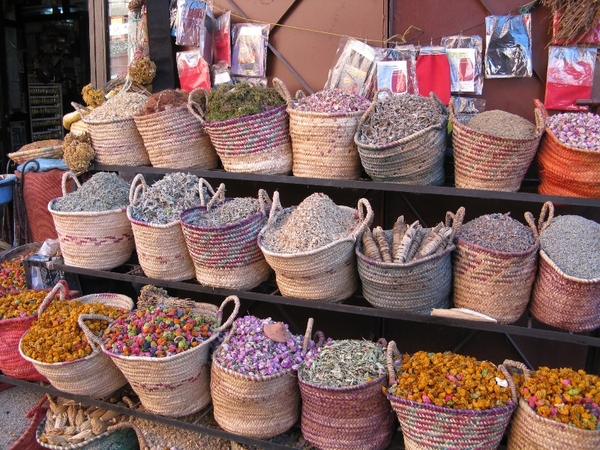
502, 124
228, 212
121, 106
104, 191
332, 101
579, 130
498, 232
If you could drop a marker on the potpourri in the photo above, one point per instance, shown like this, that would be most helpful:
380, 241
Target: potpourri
21, 303
332, 101
579, 130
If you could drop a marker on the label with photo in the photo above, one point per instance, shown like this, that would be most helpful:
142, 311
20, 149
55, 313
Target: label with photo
393, 75
462, 69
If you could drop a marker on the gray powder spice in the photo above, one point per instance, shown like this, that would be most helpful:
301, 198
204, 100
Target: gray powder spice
498, 232
228, 212
104, 191
502, 124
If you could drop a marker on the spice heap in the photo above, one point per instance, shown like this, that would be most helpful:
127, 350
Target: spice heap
227, 212
498, 232
21, 303
164, 100
104, 191
12, 273
397, 117
343, 363
240, 100
573, 244
565, 395
332, 101
314, 223
579, 130
450, 380
121, 106
78, 152
157, 332
56, 336
250, 351
502, 124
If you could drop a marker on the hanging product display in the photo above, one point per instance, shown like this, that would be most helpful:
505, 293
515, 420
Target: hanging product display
222, 39
193, 70
354, 63
249, 57
195, 27
508, 46
465, 57
137, 37
433, 72
577, 24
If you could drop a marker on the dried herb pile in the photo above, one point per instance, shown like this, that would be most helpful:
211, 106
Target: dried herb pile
240, 100
164, 100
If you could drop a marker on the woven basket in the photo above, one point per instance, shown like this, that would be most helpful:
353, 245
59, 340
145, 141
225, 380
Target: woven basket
254, 405
347, 417
497, 284
259, 143
322, 143
161, 249
426, 426
175, 385
416, 159
415, 287
227, 256
483, 161
328, 273
566, 170
27, 440
94, 240
95, 375
51, 148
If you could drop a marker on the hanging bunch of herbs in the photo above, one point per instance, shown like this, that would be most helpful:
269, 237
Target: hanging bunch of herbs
240, 100
576, 17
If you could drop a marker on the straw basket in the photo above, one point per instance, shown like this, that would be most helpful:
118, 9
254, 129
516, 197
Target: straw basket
95, 375
161, 249
483, 161
254, 405
50, 148
426, 426
566, 170
327, 273
227, 256
322, 143
93, 240
259, 143
497, 284
347, 417
416, 159
121, 438
175, 385
415, 287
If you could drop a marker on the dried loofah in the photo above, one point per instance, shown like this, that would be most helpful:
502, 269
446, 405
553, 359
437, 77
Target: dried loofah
78, 153
93, 97
142, 70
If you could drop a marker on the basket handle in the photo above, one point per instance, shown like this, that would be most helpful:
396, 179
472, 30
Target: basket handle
92, 339
539, 105
300, 94
455, 221
202, 182
540, 121
79, 108
531, 222
443, 109
218, 197
518, 365
275, 208
194, 107
58, 288
546, 216
138, 432
264, 200
307, 334
365, 219
64, 181
372, 107
383, 342
231, 318
511, 382
134, 189
392, 352
319, 338
282, 90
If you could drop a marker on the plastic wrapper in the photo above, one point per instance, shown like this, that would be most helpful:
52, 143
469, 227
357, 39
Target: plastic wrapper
137, 37
193, 70
220, 74
394, 70
173, 9
222, 39
508, 46
570, 77
468, 105
353, 66
591, 37
195, 27
254, 81
433, 72
249, 56
465, 57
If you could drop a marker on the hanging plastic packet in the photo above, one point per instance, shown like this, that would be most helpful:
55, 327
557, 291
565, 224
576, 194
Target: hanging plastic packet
409, 54
220, 74
193, 70
173, 10
433, 72
137, 36
249, 57
570, 77
591, 37
508, 46
465, 57
353, 64
253, 81
191, 21
222, 39
394, 70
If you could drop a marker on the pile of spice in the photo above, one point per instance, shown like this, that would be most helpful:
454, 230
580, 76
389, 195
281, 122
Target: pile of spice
343, 363
21, 303
397, 117
332, 101
450, 380
121, 106
56, 336
164, 100
228, 212
502, 124
104, 191
240, 100
314, 223
12, 273
579, 130
564, 395
573, 244
157, 331
498, 232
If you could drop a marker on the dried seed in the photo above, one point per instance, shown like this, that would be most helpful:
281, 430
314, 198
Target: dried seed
382, 244
370, 246
398, 231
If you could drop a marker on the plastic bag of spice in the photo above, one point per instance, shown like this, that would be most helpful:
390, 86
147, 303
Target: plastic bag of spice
508, 46
190, 18
353, 64
465, 57
222, 39
193, 70
249, 57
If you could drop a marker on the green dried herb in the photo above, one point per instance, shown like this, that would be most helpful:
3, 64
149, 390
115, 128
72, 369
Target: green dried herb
240, 100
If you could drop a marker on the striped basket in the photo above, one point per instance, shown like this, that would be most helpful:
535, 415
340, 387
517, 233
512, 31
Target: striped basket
50, 148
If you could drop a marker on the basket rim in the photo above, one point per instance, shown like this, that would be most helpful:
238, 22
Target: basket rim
236, 120
229, 226
552, 264
324, 115
534, 247
531, 413
273, 376
356, 387
395, 265
83, 213
150, 224
552, 136
441, 127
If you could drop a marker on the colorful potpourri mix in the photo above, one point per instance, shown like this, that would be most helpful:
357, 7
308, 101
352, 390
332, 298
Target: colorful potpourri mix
21, 303
12, 273
579, 130
450, 380
158, 332
564, 395
332, 101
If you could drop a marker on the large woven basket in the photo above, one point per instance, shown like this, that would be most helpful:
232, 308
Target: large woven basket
416, 159
92, 240
227, 256
175, 385
254, 405
161, 249
95, 375
327, 273
483, 161
497, 284
259, 143
426, 426
349, 417
50, 148
322, 143
566, 170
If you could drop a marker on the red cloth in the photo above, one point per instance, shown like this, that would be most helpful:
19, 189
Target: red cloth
433, 75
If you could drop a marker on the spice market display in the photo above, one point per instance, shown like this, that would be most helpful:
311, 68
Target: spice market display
397, 222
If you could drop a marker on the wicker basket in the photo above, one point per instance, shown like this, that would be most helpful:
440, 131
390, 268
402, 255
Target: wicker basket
93, 240
259, 143
51, 148
483, 161
497, 284
161, 249
416, 159
566, 170
95, 375
175, 385
426, 426
347, 417
327, 273
322, 143
227, 256
254, 405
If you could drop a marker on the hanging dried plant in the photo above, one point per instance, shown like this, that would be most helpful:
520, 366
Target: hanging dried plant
577, 17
